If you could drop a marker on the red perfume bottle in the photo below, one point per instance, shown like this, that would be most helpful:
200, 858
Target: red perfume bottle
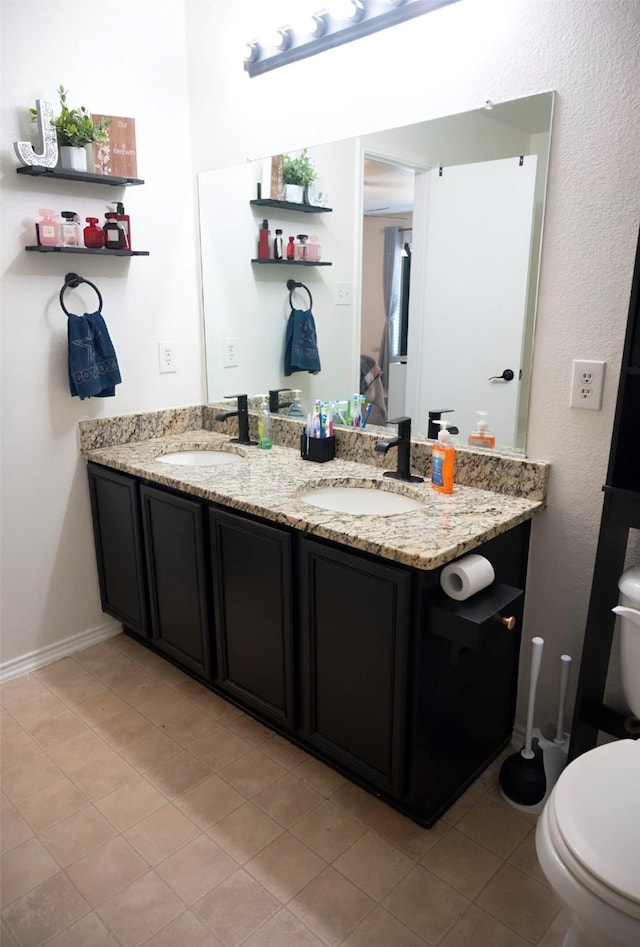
264, 241
291, 250
93, 234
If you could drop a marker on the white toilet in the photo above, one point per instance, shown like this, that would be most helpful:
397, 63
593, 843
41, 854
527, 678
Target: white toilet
588, 834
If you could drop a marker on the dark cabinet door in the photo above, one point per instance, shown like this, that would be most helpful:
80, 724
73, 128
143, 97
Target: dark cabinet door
252, 582
176, 570
115, 510
354, 619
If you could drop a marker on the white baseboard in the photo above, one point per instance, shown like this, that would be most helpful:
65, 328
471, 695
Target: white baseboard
54, 652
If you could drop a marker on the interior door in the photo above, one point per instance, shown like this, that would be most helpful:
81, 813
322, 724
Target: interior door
472, 291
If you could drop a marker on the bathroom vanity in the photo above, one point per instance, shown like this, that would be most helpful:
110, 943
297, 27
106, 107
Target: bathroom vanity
330, 628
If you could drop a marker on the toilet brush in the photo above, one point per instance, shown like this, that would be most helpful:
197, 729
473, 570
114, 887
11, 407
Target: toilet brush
522, 778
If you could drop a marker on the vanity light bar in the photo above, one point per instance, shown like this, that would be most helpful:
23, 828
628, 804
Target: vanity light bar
356, 18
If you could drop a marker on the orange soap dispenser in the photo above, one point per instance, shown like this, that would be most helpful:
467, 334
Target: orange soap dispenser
482, 437
443, 456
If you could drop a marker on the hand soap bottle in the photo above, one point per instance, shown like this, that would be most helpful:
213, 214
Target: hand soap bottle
443, 456
482, 437
264, 424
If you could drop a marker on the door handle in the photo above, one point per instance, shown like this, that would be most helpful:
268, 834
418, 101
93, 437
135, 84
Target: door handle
507, 375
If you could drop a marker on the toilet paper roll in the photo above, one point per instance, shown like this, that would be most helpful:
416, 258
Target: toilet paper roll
468, 575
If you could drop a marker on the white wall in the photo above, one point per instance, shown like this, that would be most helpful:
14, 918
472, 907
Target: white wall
121, 59
451, 61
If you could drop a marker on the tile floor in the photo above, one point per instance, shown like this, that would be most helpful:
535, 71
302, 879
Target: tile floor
140, 808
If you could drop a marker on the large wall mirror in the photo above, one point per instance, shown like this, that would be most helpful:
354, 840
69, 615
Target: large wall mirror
433, 236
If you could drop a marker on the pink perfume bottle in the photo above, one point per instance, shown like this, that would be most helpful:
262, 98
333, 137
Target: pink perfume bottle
48, 229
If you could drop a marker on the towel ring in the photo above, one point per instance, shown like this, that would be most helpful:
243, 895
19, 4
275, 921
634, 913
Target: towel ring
292, 285
72, 281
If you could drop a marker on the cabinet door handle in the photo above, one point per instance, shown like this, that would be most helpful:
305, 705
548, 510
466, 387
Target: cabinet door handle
509, 621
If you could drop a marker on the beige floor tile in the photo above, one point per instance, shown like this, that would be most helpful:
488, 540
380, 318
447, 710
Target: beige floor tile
331, 906
79, 689
6, 937
21, 690
283, 752
103, 775
480, 929
408, 836
245, 832
320, 777
236, 907
288, 799
161, 834
23, 868
130, 803
16, 746
283, 930
150, 750
171, 676
361, 804
461, 806
496, 828
60, 672
250, 730
45, 911
164, 705
125, 728
556, 933
374, 865
220, 748
31, 775
56, 729
13, 829
190, 689
209, 801
520, 902
285, 866
526, 859
34, 712
106, 870
178, 774
77, 836
141, 909
197, 868
87, 932
220, 710
117, 666
135, 685
252, 773
328, 830
78, 751
426, 904
190, 727
103, 707
52, 804
127, 645
97, 655
185, 931
381, 929
462, 863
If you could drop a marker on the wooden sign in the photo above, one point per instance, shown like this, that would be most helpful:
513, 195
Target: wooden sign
118, 156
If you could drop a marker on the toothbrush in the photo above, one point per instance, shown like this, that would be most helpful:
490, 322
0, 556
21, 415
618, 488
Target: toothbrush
366, 414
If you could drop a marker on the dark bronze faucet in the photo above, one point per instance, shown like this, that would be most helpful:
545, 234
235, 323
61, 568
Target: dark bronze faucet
274, 400
242, 413
403, 443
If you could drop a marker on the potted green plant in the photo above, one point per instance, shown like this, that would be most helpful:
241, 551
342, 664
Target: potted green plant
75, 130
297, 173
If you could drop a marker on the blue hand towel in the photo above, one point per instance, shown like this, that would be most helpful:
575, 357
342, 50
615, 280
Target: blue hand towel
301, 344
93, 366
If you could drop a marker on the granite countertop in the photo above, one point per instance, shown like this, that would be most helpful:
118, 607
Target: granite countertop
267, 483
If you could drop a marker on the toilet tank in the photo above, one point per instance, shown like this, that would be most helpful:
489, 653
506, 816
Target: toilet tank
629, 588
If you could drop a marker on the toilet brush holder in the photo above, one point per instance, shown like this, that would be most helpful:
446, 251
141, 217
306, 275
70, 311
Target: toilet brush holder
554, 759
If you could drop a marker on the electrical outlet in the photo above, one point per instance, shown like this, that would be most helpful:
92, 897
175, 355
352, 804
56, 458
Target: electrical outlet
343, 294
230, 350
587, 381
167, 357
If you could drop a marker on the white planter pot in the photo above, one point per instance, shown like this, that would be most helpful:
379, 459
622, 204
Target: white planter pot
73, 159
294, 193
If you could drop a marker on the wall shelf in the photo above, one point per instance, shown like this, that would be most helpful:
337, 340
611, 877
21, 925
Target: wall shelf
288, 205
102, 251
293, 262
36, 171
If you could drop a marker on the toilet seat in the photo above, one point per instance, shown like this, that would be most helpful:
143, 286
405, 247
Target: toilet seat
598, 847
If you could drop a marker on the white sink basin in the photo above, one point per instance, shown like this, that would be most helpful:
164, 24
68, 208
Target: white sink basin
360, 501
200, 458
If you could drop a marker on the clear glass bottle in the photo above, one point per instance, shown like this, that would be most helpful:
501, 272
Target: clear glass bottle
264, 424
300, 252
313, 249
70, 229
296, 409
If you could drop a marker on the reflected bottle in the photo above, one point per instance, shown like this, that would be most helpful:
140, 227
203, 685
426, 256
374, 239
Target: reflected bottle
264, 425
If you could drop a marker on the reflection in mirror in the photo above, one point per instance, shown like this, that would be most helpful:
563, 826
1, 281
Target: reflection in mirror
426, 293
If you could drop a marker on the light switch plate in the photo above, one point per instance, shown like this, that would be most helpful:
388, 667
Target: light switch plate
230, 352
343, 294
